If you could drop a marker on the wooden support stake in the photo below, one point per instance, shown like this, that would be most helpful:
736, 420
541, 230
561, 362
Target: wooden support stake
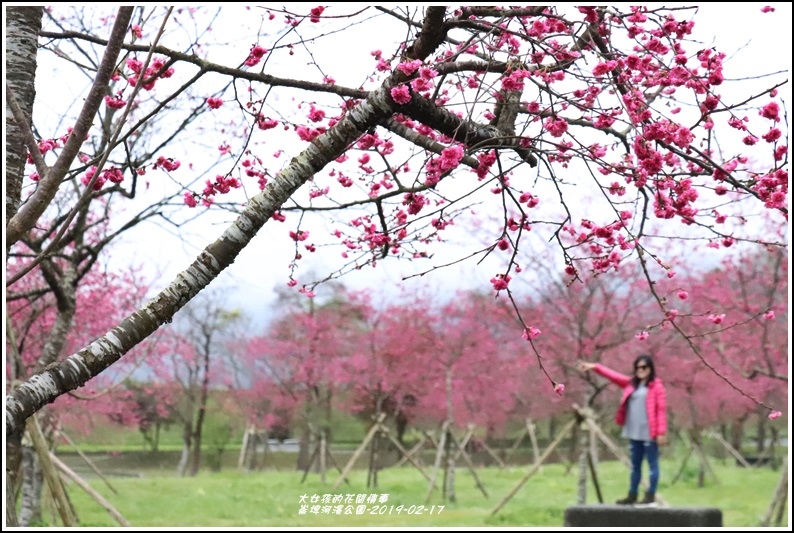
359, 451
80, 482
50, 474
595, 476
323, 455
536, 465
409, 456
402, 450
467, 459
241, 462
461, 445
778, 498
733, 451
514, 447
704, 460
88, 461
437, 462
492, 454
533, 439
333, 462
311, 462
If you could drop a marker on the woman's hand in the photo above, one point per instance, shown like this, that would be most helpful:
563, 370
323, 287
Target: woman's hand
661, 440
584, 366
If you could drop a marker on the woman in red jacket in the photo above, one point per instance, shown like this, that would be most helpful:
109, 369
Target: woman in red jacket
643, 415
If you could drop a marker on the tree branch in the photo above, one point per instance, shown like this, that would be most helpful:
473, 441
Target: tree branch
30, 212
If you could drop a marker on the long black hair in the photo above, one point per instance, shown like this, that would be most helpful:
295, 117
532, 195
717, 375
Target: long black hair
648, 360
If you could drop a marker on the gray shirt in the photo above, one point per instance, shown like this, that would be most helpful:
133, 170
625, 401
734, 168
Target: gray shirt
636, 427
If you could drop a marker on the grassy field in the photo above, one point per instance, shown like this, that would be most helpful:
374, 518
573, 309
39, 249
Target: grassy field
272, 498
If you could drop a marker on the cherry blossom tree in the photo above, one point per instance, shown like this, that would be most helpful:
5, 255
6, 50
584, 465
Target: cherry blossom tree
295, 366
146, 405
742, 329
600, 130
384, 372
197, 363
57, 308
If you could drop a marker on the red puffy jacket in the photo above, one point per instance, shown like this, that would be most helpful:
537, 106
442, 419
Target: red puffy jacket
656, 401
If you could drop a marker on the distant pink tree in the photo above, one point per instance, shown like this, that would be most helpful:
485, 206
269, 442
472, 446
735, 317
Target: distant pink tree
295, 364
384, 373
199, 351
741, 331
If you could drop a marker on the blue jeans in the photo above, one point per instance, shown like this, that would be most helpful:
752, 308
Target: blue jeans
644, 449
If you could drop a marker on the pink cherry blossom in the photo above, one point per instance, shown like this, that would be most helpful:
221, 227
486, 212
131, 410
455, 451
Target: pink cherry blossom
559, 388
531, 333
316, 115
401, 94
421, 84
500, 282
775, 414
264, 123
214, 103
299, 235
308, 292
642, 335
409, 67
190, 200
557, 127
683, 295
604, 67
772, 135
770, 111
114, 102
316, 12
451, 156
717, 319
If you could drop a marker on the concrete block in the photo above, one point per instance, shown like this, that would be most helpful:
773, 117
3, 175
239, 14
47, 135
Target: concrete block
628, 516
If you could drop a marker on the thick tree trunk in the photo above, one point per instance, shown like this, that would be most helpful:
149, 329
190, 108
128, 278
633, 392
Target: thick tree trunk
449, 472
581, 486
308, 442
737, 433
22, 28
187, 446
449, 468
198, 428
32, 483
760, 442
13, 476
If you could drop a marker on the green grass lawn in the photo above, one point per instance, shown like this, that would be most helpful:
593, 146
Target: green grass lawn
272, 498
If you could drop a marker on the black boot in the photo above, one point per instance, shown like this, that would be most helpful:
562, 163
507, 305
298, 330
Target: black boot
630, 500
649, 499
